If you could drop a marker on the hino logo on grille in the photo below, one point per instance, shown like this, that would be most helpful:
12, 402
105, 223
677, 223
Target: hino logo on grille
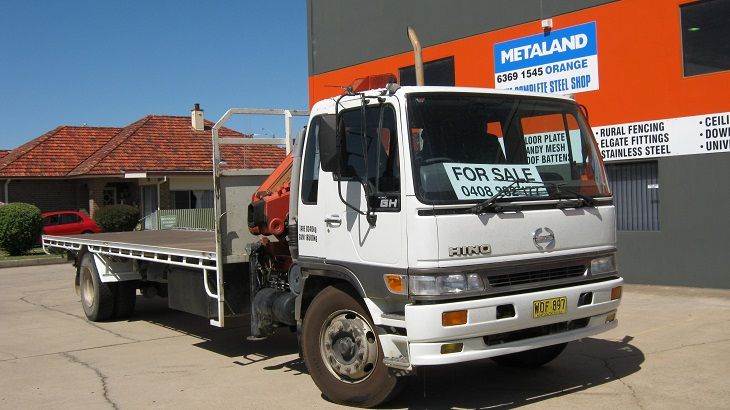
470, 250
544, 238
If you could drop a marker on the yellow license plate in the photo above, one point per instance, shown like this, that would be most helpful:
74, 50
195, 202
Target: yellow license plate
549, 307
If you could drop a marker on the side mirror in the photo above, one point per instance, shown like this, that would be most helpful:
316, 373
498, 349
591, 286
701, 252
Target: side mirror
328, 146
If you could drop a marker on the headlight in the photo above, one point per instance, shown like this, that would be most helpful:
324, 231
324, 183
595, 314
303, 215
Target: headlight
603, 265
434, 285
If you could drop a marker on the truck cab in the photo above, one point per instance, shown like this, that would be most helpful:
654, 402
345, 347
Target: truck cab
464, 223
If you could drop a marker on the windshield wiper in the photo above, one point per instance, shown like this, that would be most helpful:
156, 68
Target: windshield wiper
569, 198
491, 205
579, 200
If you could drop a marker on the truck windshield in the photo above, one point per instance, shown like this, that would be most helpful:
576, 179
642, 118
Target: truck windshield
470, 147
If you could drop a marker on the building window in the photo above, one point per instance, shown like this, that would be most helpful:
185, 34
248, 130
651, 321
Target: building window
705, 33
635, 188
149, 199
110, 195
437, 72
193, 199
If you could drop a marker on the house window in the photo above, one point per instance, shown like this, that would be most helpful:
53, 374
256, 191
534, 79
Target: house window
149, 199
635, 188
110, 195
192, 199
705, 33
437, 72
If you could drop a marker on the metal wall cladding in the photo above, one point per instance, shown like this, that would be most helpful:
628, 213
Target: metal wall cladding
334, 44
635, 187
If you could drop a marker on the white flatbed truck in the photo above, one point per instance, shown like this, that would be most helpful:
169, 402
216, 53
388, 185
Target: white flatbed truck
422, 226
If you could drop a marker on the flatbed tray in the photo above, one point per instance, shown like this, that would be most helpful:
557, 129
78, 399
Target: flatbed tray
175, 241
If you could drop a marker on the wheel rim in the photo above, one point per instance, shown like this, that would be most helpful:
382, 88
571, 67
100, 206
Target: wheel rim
87, 287
348, 346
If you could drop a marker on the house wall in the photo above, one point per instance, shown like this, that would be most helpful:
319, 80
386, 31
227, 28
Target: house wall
189, 183
165, 196
50, 194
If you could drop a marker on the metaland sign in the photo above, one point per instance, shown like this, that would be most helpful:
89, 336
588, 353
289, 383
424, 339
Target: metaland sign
561, 61
544, 238
698, 134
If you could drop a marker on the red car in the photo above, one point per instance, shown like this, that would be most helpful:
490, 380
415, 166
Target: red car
68, 223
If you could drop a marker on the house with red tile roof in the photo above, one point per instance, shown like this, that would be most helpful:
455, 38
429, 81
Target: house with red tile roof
157, 162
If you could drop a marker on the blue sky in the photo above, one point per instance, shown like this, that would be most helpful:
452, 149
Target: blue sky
109, 63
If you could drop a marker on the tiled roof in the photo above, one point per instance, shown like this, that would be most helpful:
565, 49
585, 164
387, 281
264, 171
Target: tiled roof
56, 152
155, 143
169, 144
4, 152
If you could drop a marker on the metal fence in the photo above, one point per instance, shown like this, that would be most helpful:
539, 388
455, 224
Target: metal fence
199, 219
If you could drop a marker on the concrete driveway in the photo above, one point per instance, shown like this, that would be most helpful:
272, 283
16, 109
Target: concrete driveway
670, 350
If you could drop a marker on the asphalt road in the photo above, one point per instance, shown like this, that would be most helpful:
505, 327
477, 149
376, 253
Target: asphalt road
670, 350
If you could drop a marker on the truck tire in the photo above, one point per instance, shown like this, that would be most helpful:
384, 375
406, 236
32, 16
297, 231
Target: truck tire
342, 352
124, 299
97, 298
531, 358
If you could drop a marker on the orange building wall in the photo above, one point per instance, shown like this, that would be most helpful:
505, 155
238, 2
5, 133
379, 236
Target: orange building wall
639, 63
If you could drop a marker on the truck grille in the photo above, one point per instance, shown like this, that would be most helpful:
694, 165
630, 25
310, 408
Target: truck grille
521, 278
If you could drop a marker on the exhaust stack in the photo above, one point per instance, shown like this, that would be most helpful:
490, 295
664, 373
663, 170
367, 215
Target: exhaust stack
416, 43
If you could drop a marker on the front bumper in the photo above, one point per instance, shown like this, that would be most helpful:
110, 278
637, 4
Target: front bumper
426, 335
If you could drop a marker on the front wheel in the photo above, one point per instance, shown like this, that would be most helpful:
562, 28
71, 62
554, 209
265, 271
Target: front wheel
342, 351
531, 358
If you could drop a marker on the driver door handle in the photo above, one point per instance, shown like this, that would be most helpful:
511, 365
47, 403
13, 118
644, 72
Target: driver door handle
333, 219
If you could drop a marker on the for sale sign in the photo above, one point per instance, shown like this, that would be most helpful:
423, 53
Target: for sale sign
560, 62
481, 181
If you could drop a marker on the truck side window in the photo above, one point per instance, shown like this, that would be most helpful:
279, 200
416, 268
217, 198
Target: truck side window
310, 166
379, 143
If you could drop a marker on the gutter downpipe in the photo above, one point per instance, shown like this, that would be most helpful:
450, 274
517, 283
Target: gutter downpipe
159, 182
418, 63
7, 190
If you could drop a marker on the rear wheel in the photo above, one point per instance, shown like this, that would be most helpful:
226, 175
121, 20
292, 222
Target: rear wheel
342, 351
97, 298
531, 358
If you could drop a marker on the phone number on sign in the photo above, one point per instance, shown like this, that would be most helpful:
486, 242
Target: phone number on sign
515, 75
486, 191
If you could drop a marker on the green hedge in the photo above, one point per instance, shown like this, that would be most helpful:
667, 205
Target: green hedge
20, 227
117, 218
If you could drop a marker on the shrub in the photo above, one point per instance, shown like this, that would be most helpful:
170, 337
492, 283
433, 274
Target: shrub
117, 218
20, 227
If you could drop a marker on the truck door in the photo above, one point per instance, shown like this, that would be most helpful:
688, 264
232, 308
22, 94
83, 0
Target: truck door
373, 160
311, 209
